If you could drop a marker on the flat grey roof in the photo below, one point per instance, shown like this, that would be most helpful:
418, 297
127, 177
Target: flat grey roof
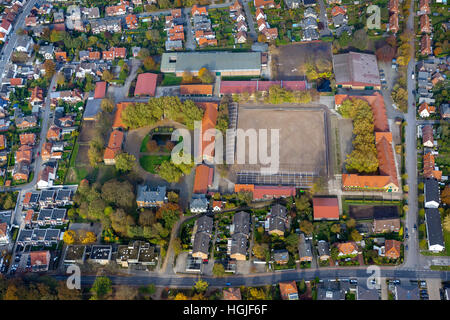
214, 61
92, 108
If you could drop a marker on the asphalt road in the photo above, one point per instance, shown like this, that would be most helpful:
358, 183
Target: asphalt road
263, 279
412, 255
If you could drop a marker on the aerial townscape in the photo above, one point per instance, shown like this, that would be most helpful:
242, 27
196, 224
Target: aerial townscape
350, 201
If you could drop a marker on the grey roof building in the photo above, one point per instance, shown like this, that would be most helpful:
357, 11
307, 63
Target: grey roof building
92, 109
199, 203
172, 45
434, 230
304, 249
356, 70
364, 293
150, 197
406, 292
277, 219
205, 224
238, 246
281, 256
330, 290
324, 250
101, 254
432, 196
200, 248
227, 63
241, 223
292, 4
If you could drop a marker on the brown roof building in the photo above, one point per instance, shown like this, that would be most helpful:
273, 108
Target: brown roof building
425, 26
196, 89
425, 45
347, 248
392, 249
146, 84
386, 225
288, 290
326, 208
203, 178
27, 139
114, 147
232, 294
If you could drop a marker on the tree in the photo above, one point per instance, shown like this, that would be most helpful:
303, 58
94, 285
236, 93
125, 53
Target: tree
292, 241
256, 294
176, 244
107, 76
50, 69
143, 53
89, 238
70, 237
446, 224
201, 286
147, 218
385, 53
64, 293
360, 39
306, 227
259, 251
124, 161
119, 193
60, 79
218, 270
107, 105
205, 75
334, 253
101, 288
180, 296
149, 63
170, 213
187, 77
302, 203
356, 236
351, 223
125, 293
445, 195
172, 197
335, 228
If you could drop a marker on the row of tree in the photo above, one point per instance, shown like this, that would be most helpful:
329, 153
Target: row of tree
147, 114
363, 158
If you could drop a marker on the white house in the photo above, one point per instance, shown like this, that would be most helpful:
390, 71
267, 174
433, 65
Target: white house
434, 230
5, 27
46, 177
199, 204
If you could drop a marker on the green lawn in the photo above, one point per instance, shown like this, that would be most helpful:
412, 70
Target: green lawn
149, 163
144, 143
171, 80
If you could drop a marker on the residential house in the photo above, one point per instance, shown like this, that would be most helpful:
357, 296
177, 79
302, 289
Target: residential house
427, 136
54, 133
277, 220
429, 169
115, 10
424, 6
393, 23
347, 248
39, 260
281, 256
55, 216
433, 224
101, 254
47, 51
4, 233
330, 290
24, 44
392, 249
202, 235
364, 293
146, 84
114, 147
37, 96
323, 249
232, 293
425, 25
198, 11
339, 16
288, 290
425, 45
425, 110
293, 4
445, 110
236, 6
264, 3
240, 232
46, 177
47, 198
131, 21
150, 197
27, 139
136, 253
304, 249
406, 292
198, 204
26, 122
431, 190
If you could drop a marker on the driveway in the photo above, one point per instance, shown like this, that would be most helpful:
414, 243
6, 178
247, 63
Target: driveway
250, 23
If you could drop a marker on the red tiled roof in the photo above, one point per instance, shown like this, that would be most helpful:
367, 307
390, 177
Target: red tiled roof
386, 161
261, 192
338, 10
263, 3
232, 294
117, 123
196, 89
230, 87
392, 249
203, 178
39, 258
287, 288
146, 84
100, 90
27, 138
326, 208
114, 145
347, 247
